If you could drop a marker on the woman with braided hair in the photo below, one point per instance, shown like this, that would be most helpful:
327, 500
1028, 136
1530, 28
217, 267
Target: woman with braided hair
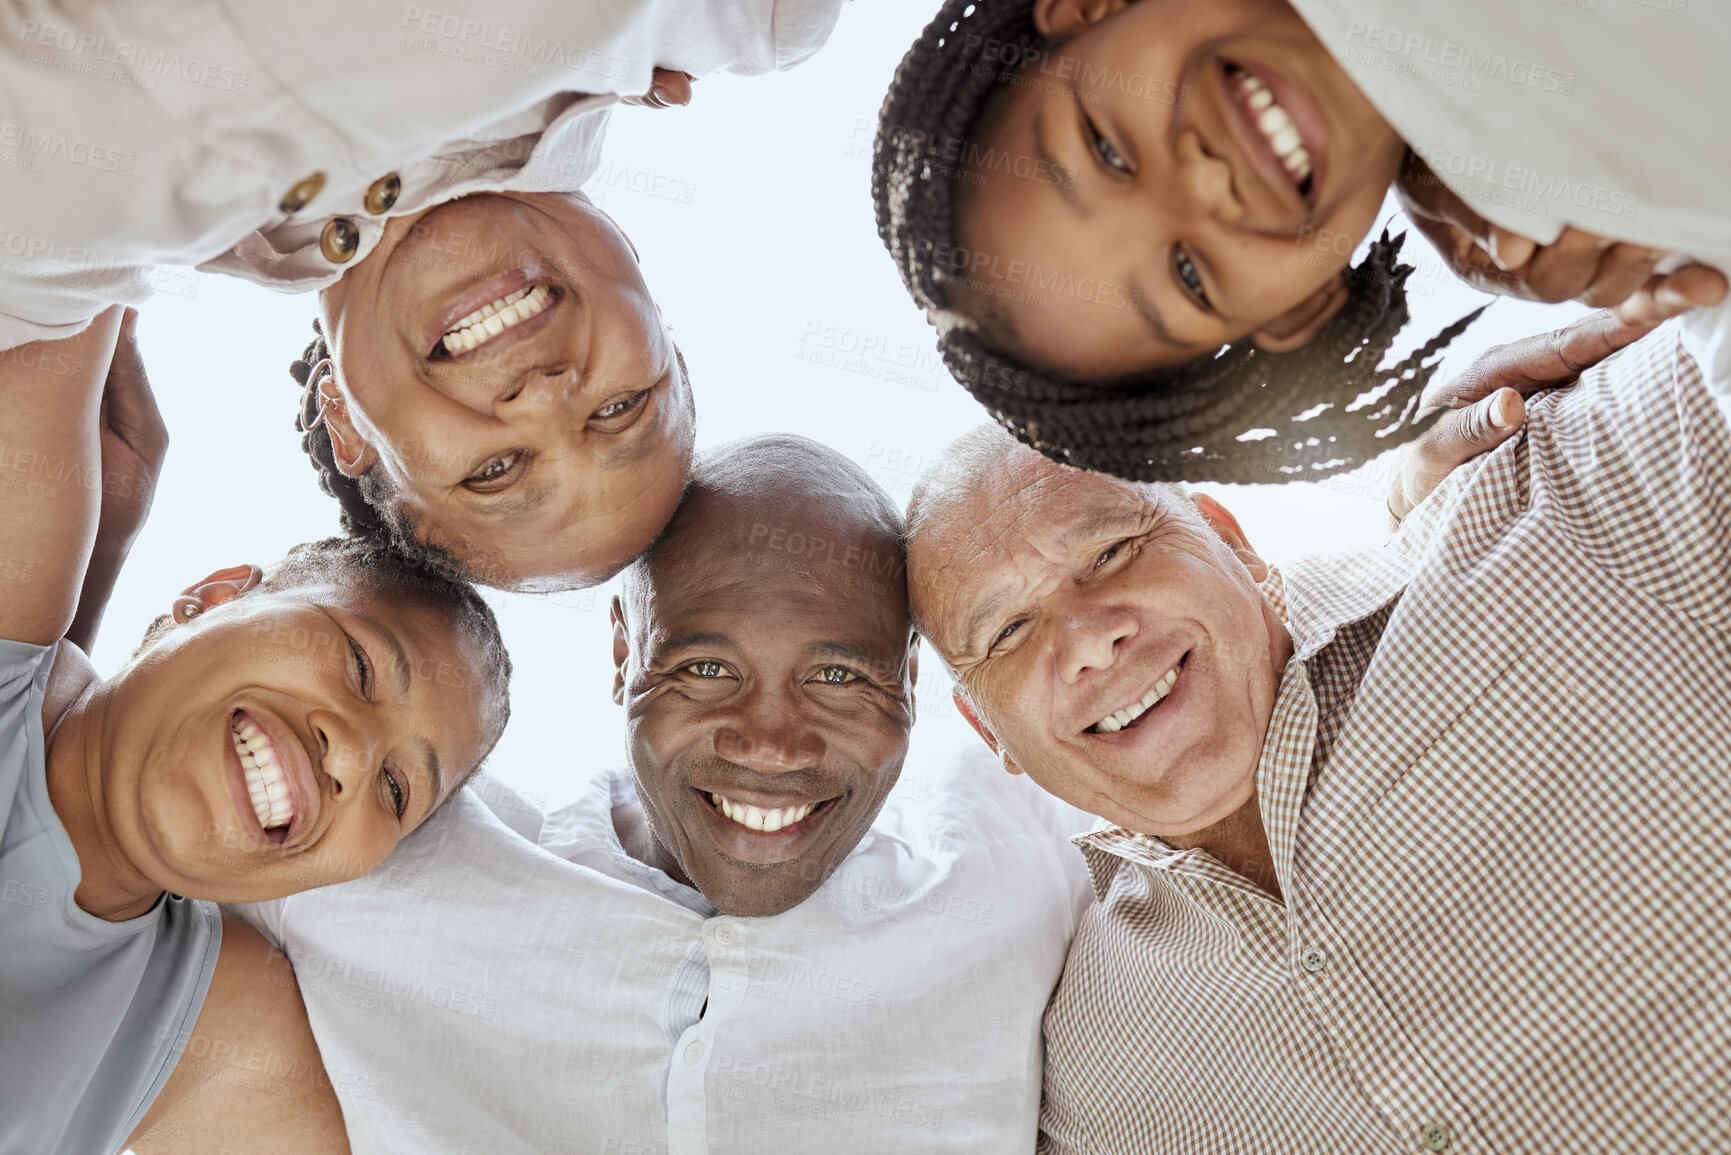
493, 388
1128, 219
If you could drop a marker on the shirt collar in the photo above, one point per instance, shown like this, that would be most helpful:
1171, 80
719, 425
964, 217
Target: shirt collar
1348, 589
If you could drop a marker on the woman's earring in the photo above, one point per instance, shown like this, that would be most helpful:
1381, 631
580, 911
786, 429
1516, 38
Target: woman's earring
187, 608
315, 378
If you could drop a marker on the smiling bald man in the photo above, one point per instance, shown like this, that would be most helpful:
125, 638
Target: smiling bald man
763, 935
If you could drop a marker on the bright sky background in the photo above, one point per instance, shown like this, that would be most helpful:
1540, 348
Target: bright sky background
756, 232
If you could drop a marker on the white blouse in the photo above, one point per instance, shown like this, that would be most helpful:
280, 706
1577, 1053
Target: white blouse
512, 982
272, 140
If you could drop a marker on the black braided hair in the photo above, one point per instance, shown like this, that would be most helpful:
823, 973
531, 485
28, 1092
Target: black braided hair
360, 499
1180, 423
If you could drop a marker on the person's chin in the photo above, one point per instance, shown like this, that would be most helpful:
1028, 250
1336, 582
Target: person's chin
744, 892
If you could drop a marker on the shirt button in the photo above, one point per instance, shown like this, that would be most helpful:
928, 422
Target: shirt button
1313, 959
302, 194
694, 1053
339, 240
383, 193
725, 934
1435, 1137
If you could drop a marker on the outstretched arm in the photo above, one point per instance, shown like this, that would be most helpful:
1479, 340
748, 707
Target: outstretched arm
50, 455
251, 1078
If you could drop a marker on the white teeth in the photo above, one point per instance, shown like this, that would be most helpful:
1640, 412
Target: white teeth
266, 783
489, 321
1112, 723
1275, 125
757, 818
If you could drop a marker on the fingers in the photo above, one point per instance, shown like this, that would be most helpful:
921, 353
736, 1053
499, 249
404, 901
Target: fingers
129, 404
1454, 440
1622, 271
1563, 269
668, 88
1509, 250
672, 88
1666, 296
1539, 362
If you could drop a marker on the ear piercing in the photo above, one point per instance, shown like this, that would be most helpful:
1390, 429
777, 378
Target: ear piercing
316, 376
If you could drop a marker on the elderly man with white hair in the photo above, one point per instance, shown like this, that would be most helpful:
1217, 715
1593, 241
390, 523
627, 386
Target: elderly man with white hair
1413, 849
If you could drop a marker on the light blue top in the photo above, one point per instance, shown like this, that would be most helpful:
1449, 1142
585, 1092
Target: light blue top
93, 1014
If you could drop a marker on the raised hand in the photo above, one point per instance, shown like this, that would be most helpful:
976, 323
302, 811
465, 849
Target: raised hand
1487, 402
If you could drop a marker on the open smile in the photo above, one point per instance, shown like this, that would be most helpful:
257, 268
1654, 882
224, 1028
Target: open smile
1278, 126
1127, 716
495, 313
267, 783
271, 778
495, 317
782, 820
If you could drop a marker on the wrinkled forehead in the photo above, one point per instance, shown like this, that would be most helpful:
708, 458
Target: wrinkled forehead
1007, 525
810, 558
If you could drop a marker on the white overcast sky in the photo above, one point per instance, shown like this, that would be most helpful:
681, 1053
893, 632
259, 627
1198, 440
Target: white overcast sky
756, 232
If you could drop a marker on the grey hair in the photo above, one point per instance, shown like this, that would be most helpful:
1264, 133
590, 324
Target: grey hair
969, 459
963, 467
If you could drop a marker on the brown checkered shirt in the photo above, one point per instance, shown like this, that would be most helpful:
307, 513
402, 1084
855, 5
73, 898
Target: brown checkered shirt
1497, 786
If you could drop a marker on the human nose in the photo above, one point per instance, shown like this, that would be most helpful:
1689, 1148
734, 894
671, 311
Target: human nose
1203, 182
1093, 637
537, 392
349, 747
768, 733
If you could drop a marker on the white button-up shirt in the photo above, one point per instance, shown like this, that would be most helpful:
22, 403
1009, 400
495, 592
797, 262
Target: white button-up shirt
156, 133
1608, 115
509, 982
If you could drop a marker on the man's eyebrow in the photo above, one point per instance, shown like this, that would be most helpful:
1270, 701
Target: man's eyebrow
987, 612
1043, 153
630, 449
1100, 521
691, 640
519, 503
847, 652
